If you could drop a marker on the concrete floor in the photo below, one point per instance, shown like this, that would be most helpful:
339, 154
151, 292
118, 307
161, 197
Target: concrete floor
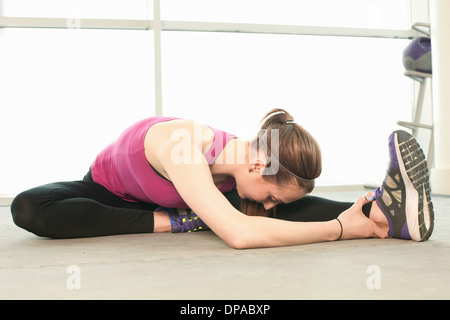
201, 266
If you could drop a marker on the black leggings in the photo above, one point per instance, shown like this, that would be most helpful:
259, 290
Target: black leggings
84, 208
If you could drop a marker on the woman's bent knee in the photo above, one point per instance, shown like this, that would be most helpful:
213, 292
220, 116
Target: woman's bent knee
21, 210
25, 213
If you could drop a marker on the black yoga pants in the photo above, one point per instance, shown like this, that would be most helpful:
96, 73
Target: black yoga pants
78, 209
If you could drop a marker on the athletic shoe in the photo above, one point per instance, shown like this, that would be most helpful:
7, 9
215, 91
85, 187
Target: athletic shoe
404, 196
184, 220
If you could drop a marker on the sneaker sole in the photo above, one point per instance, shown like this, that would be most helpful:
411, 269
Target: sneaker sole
414, 171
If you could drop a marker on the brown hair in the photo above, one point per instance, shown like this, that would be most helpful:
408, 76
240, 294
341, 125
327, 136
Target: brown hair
298, 157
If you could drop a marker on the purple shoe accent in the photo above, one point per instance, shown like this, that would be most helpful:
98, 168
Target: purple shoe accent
393, 163
378, 193
405, 232
188, 222
391, 225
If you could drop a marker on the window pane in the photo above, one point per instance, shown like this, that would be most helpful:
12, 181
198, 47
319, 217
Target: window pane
348, 92
107, 9
383, 14
65, 95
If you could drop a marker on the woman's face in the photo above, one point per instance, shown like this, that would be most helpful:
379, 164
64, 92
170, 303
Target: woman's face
270, 194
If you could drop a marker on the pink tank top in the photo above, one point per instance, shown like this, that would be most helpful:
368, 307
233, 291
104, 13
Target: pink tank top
123, 169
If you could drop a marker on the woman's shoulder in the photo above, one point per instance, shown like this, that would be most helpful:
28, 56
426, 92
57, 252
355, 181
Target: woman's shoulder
177, 136
177, 129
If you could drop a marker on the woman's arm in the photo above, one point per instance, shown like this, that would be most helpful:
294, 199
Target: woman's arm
195, 185
193, 181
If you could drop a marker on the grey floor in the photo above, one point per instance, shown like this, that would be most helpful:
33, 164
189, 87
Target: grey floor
201, 266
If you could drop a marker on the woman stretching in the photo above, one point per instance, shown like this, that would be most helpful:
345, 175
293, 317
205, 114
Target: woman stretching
250, 193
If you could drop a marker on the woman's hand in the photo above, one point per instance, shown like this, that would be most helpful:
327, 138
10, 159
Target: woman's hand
356, 225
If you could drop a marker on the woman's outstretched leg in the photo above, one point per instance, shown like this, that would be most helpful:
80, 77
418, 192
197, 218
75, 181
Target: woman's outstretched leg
313, 208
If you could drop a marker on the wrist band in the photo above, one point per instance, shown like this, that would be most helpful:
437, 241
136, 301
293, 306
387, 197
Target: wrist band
342, 229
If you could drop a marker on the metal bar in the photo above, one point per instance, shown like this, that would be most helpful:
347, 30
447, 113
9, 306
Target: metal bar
157, 56
286, 29
28, 22
65, 23
420, 99
414, 125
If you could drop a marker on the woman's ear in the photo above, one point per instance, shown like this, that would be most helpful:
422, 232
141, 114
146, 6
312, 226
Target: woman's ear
257, 166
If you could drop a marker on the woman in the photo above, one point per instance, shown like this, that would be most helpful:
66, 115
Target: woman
163, 162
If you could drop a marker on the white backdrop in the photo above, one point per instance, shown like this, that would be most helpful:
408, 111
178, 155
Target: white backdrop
66, 94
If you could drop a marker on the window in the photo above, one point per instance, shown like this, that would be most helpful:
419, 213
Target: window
382, 14
106, 9
348, 92
66, 94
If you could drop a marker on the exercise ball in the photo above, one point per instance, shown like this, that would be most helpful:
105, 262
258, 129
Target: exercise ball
417, 55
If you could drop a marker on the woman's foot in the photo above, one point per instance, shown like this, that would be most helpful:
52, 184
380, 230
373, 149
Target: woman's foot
183, 220
377, 216
404, 196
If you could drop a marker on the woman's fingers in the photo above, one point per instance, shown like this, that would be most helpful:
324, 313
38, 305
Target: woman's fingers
357, 225
369, 196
